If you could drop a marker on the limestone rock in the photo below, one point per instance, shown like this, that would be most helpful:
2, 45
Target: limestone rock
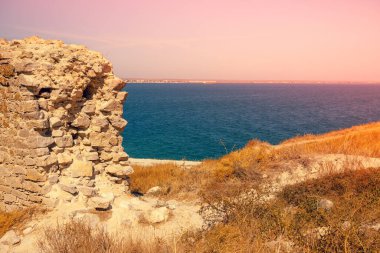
99, 203
55, 122
154, 190
64, 141
87, 191
325, 204
81, 168
64, 159
27, 230
10, 238
119, 171
7, 70
83, 121
118, 123
69, 188
157, 215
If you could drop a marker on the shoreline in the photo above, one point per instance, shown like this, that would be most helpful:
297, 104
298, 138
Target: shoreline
146, 162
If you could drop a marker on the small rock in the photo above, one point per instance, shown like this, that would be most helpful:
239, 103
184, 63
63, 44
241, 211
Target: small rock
346, 225
325, 204
55, 122
157, 215
99, 203
87, 191
119, 171
172, 206
27, 230
83, 121
69, 188
375, 227
160, 203
10, 238
154, 190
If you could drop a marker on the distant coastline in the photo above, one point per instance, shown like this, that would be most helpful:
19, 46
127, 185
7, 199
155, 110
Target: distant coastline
192, 81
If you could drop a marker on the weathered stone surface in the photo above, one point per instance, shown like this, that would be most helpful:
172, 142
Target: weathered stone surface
10, 238
81, 168
64, 141
60, 115
64, 159
82, 121
118, 123
119, 171
87, 191
72, 189
55, 122
157, 215
41, 142
7, 70
100, 203
92, 156
110, 106
34, 175
154, 190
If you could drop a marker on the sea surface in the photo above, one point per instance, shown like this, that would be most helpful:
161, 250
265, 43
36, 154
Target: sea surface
195, 121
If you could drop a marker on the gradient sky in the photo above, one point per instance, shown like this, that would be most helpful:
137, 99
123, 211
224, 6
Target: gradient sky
331, 40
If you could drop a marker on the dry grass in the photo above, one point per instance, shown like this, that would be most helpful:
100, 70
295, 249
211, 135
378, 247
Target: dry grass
80, 237
210, 179
295, 217
247, 223
173, 179
245, 167
15, 219
359, 140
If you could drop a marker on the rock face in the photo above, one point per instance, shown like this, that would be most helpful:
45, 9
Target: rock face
60, 117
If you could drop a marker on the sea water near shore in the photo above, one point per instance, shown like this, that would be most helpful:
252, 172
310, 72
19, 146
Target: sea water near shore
195, 121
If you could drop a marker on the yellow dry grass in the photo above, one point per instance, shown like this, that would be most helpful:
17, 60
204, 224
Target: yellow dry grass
80, 237
361, 140
173, 180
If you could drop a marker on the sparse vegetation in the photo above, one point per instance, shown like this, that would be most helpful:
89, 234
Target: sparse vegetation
292, 220
359, 140
173, 180
80, 237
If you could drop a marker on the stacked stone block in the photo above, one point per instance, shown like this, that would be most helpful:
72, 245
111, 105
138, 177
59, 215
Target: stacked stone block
60, 116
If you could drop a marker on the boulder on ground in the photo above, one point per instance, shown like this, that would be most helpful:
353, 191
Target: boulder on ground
10, 238
157, 215
99, 203
154, 190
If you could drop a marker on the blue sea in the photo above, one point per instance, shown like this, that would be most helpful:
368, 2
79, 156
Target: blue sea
195, 121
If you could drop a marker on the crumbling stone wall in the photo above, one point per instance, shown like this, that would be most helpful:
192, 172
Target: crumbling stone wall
60, 118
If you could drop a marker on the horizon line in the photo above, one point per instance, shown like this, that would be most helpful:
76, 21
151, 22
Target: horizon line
294, 81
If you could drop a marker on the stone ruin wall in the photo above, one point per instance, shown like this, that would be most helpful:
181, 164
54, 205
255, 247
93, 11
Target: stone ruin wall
60, 117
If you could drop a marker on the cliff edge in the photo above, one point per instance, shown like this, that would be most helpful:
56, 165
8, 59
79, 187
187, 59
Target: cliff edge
60, 117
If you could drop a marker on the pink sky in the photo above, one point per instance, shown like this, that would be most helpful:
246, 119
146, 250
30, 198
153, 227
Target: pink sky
330, 40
